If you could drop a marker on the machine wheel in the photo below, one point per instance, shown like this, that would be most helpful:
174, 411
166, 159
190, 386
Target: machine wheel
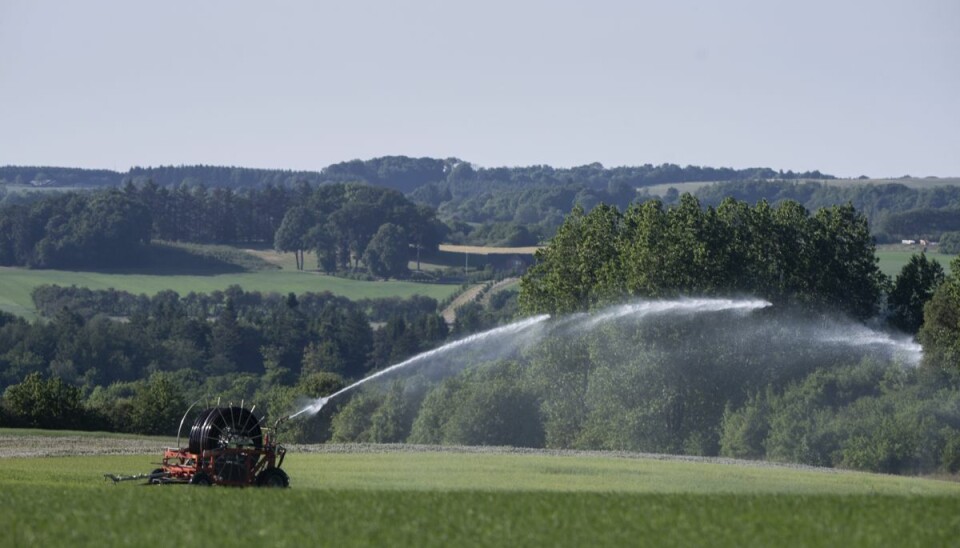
156, 481
273, 477
224, 426
201, 479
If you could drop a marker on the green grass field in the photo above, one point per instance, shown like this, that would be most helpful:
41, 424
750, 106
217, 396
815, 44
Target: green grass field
402, 498
17, 283
894, 257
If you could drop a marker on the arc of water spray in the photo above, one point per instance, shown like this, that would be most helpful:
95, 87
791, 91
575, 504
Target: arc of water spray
640, 309
315, 406
847, 335
680, 306
904, 347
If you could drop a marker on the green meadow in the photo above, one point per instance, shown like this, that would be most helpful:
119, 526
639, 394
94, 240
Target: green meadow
894, 257
16, 284
488, 498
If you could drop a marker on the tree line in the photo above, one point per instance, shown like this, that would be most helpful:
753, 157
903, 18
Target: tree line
484, 206
233, 343
104, 229
824, 261
401, 173
345, 224
349, 224
492, 206
895, 211
783, 254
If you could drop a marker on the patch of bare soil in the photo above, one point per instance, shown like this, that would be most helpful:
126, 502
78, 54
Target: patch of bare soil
450, 312
268, 255
13, 445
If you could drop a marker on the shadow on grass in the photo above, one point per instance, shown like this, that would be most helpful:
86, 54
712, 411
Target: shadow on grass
166, 259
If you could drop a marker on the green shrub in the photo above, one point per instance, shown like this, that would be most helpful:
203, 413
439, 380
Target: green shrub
950, 243
353, 422
744, 431
950, 455
438, 405
495, 413
45, 403
482, 407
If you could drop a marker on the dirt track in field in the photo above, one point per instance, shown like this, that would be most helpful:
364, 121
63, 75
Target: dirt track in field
450, 312
13, 445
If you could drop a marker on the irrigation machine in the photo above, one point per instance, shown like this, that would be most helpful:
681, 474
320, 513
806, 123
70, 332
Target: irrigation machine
226, 446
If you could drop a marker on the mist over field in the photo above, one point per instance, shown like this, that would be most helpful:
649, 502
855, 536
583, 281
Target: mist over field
691, 376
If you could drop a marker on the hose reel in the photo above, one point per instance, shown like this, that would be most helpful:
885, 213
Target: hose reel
221, 427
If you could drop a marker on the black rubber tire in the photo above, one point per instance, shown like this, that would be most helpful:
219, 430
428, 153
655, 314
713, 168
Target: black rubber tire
201, 479
219, 426
273, 477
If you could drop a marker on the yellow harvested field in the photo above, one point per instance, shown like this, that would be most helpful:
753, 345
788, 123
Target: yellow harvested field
483, 250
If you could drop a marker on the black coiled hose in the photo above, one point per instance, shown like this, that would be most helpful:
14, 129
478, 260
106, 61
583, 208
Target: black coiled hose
225, 426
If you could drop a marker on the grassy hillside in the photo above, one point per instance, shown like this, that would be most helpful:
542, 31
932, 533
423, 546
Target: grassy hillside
204, 268
17, 283
910, 182
404, 498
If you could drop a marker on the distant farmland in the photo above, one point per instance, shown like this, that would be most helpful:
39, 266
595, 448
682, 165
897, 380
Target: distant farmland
912, 182
894, 257
16, 284
489, 250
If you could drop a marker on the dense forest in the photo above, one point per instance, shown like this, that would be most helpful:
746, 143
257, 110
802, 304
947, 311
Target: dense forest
504, 206
397, 172
895, 211
348, 226
74, 230
782, 254
117, 361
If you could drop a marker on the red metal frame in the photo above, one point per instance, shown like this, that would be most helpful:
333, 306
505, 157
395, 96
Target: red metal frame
245, 463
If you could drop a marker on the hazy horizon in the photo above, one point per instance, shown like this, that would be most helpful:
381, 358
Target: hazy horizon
852, 88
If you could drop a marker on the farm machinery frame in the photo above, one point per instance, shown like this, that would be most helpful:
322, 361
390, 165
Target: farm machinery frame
226, 446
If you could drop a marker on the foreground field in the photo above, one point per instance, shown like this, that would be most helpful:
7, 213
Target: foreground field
415, 496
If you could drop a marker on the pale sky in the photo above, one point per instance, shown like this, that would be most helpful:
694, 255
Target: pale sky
846, 87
